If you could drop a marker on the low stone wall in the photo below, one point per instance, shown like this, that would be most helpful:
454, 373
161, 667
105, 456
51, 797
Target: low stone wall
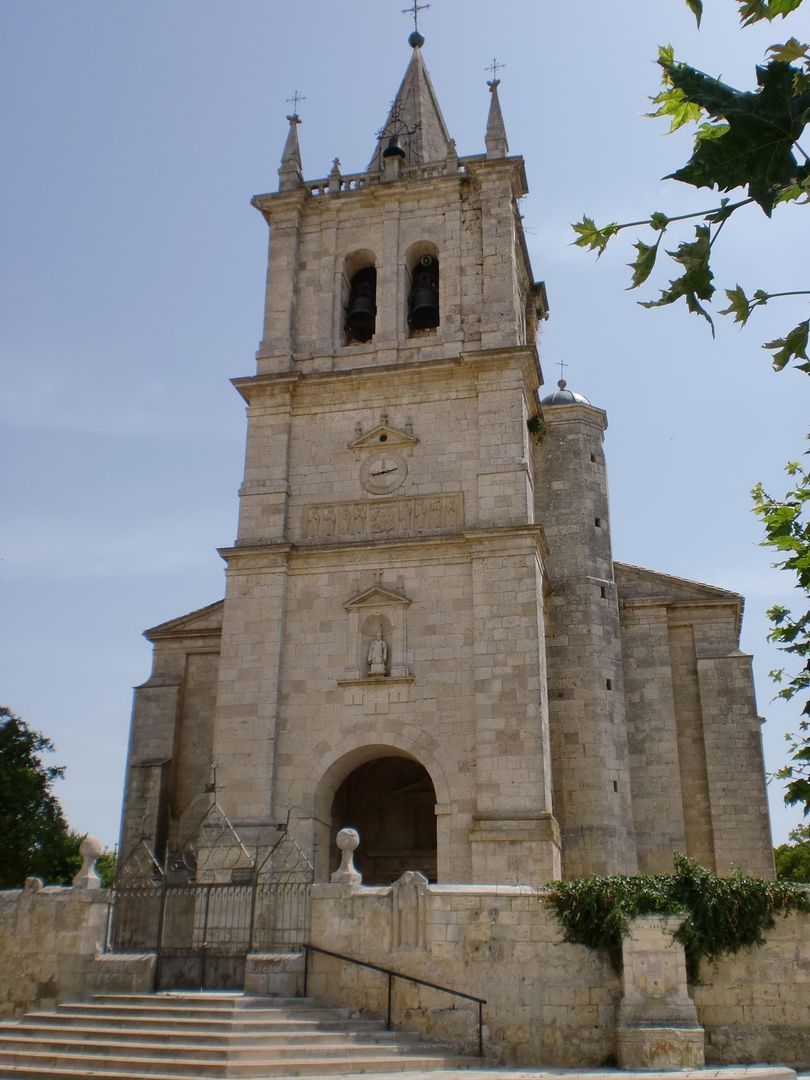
755, 1005
547, 1001
49, 939
52, 941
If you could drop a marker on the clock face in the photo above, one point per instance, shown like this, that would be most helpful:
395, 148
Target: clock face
384, 472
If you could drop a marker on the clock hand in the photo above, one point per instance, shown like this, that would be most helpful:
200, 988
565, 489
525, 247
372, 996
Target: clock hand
382, 472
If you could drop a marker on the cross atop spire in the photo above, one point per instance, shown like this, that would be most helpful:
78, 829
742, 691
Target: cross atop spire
494, 67
296, 97
413, 11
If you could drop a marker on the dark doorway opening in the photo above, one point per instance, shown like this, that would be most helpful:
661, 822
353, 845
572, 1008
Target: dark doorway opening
391, 802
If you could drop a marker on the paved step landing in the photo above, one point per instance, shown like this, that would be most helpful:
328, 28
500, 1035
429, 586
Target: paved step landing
199, 1036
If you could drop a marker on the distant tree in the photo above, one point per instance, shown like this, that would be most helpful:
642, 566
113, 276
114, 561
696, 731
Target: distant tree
787, 531
105, 867
35, 840
793, 859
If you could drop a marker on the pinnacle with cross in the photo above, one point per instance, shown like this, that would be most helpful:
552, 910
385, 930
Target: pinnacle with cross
562, 383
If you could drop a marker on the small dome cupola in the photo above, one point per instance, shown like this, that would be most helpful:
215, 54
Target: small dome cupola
563, 396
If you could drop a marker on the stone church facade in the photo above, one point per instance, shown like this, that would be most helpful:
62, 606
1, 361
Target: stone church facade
424, 634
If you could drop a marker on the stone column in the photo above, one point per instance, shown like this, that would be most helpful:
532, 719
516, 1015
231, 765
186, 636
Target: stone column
657, 1026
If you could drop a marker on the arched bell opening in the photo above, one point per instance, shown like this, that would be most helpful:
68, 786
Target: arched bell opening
422, 278
360, 307
391, 802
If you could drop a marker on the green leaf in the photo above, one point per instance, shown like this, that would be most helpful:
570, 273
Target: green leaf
666, 57
593, 238
695, 284
696, 7
674, 104
644, 261
739, 305
711, 131
752, 11
763, 126
790, 51
658, 221
793, 345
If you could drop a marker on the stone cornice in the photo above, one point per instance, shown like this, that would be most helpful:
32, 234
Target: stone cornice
254, 387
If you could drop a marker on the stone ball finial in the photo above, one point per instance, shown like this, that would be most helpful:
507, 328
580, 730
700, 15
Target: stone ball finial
87, 878
347, 873
562, 384
416, 40
348, 839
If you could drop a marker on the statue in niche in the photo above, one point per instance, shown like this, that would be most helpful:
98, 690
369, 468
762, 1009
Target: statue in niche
377, 655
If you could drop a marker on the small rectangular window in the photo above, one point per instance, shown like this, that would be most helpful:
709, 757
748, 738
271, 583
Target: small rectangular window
609, 684
597, 522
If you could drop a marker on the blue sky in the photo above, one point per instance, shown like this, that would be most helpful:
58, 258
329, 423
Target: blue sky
131, 290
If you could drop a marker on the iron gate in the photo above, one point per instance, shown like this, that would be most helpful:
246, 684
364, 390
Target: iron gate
210, 905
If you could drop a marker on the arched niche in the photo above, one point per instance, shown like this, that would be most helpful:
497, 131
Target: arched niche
359, 297
422, 288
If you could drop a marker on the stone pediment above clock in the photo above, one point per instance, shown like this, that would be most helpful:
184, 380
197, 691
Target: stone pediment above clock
383, 435
376, 597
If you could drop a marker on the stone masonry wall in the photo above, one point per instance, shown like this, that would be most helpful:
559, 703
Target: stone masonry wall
549, 1003
51, 942
755, 1005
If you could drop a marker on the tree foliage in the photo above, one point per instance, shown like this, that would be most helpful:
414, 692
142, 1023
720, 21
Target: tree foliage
35, 840
793, 859
787, 531
745, 140
723, 915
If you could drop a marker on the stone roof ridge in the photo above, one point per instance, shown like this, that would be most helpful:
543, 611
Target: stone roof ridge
203, 618
690, 583
415, 116
496, 142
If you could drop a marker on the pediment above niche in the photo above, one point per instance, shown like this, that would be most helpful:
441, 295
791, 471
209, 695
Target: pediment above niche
383, 435
376, 597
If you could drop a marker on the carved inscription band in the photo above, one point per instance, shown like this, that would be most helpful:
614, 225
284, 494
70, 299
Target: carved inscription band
394, 517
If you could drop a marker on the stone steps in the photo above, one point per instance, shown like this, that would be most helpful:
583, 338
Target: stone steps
193, 1037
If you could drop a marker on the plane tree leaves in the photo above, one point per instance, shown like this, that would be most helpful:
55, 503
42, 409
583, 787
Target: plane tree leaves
695, 283
791, 346
756, 149
752, 11
591, 237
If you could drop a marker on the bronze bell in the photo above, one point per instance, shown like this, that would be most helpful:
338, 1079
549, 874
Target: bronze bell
424, 302
361, 316
394, 148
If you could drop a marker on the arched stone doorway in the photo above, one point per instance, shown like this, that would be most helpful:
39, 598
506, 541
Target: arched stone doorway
391, 802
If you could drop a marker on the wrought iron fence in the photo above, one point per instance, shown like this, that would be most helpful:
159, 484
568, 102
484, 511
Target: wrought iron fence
211, 904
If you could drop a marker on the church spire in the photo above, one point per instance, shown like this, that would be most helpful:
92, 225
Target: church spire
415, 116
496, 141
291, 173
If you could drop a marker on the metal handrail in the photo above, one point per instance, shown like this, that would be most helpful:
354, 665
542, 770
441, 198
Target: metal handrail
481, 1002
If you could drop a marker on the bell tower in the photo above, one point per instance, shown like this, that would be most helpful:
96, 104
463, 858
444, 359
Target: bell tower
386, 589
